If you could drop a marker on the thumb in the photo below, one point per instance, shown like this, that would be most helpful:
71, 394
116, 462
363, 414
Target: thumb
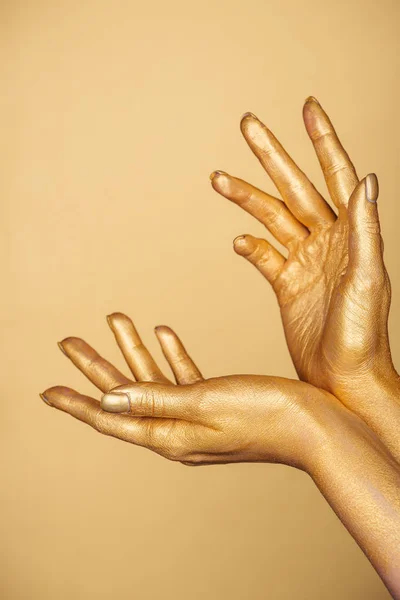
152, 400
365, 243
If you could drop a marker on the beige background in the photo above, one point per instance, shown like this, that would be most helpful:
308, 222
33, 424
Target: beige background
113, 114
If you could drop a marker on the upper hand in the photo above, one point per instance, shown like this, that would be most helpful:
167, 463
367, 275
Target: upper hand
333, 288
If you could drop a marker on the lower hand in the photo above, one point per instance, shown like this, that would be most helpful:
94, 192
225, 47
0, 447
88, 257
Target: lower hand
244, 418
225, 419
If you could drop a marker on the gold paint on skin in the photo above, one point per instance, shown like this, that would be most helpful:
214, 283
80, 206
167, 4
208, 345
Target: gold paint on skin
371, 187
216, 173
333, 289
267, 209
340, 424
116, 402
311, 99
252, 418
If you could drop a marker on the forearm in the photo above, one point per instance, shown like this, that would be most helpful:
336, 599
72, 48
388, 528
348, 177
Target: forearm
361, 481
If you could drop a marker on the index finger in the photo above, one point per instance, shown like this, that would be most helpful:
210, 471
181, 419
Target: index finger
141, 431
96, 368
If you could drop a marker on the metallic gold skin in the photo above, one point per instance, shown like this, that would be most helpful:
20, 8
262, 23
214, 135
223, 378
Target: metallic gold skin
371, 187
332, 287
334, 295
244, 418
116, 403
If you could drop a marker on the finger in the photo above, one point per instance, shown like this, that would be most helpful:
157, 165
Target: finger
139, 431
96, 368
139, 359
365, 241
270, 211
297, 191
154, 400
183, 367
261, 254
339, 172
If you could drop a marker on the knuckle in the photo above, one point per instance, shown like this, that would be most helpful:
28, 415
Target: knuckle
333, 168
375, 280
189, 378
176, 453
318, 136
151, 403
261, 254
267, 151
276, 215
371, 227
246, 198
295, 189
194, 460
179, 358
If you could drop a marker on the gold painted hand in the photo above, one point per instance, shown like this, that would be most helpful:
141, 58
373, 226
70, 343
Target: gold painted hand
333, 289
224, 419
244, 418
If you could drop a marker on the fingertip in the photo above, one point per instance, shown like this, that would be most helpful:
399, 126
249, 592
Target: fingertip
111, 318
161, 329
216, 174
221, 182
50, 395
163, 333
311, 99
239, 239
248, 115
45, 400
70, 341
249, 123
243, 244
310, 110
120, 322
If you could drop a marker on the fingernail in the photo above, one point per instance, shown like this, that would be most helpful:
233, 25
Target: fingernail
158, 327
371, 187
311, 99
115, 403
239, 238
215, 173
62, 348
109, 321
248, 114
43, 397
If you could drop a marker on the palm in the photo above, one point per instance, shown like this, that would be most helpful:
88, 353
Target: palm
308, 292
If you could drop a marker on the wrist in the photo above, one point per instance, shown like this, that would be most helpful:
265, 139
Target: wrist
324, 419
381, 382
337, 431
343, 438
374, 396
